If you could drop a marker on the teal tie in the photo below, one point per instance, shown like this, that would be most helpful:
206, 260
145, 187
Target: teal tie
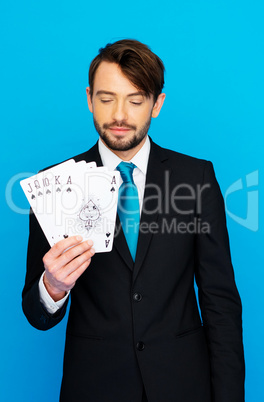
128, 206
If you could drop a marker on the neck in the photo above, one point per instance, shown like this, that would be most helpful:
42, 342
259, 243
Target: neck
129, 154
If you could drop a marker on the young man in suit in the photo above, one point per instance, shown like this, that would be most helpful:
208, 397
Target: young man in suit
134, 331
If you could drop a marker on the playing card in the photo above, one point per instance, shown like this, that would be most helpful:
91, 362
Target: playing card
87, 205
39, 192
75, 198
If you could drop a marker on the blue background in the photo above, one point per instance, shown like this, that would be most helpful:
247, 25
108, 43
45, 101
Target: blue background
213, 53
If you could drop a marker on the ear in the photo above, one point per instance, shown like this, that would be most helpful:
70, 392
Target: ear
89, 99
158, 105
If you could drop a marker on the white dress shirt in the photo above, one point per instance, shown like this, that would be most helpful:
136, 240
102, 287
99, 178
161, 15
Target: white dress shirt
111, 161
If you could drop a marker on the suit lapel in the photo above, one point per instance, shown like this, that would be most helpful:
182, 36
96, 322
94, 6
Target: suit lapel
121, 245
157, 178
91, 155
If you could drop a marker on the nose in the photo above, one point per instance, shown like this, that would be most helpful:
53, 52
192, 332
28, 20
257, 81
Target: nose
119, 111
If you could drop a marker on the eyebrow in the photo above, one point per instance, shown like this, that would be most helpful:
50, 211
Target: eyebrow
101, 92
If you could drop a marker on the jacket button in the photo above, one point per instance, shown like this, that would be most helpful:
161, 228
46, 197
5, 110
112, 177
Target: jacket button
140, 346
137, 297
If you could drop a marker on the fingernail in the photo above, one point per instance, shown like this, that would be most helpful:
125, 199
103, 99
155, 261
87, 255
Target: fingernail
78, 238
92, 251
89, 242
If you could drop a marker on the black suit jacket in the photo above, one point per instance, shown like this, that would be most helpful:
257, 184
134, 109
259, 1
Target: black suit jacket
138, 324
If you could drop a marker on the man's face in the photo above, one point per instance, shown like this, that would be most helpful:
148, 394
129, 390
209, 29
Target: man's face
122, 114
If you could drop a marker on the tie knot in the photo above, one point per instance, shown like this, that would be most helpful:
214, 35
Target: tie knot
126, 171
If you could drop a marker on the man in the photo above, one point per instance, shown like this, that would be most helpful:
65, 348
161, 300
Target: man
134, 331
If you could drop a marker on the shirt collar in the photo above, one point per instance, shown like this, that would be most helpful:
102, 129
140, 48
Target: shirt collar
111, 160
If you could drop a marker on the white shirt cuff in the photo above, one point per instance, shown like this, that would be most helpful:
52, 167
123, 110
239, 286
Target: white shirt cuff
50, 305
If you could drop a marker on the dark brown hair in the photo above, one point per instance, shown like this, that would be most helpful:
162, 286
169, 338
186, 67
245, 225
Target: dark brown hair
143, 68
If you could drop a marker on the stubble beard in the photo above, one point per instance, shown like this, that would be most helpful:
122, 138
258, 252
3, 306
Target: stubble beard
122, 144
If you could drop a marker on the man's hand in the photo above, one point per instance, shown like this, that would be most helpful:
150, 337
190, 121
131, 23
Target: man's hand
64, 265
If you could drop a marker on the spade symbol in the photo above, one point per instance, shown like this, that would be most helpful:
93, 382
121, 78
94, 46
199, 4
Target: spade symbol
40, 193
65, 236
48, 192
108, 234
68, 190
89, 214
112, 189
58, 190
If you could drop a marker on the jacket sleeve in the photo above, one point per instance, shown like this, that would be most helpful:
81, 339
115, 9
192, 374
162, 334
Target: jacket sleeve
218, 296
33, 309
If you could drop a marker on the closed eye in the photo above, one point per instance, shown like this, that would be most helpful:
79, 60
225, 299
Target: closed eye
137, 103
106, 100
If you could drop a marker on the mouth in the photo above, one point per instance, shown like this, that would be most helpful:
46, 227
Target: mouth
119, 130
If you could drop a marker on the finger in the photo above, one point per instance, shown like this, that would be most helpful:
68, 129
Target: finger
61, 279
75, 251
74, 264
62, 245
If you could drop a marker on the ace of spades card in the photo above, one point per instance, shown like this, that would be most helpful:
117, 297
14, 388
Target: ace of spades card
87, 206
